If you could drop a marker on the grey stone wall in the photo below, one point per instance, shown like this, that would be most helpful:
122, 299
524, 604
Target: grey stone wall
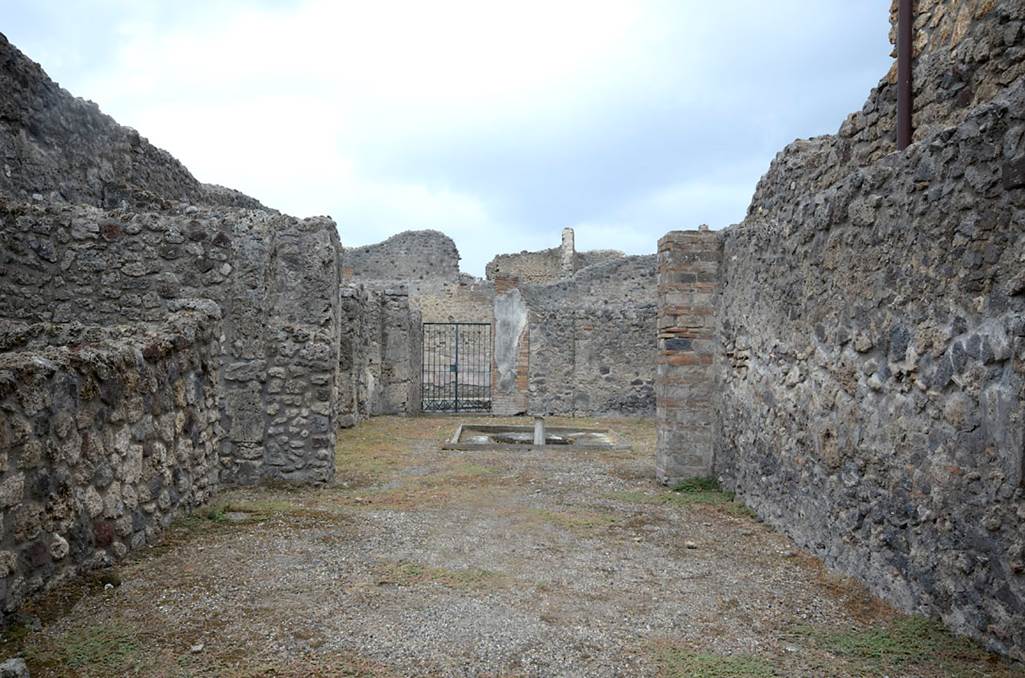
872, 323
530, 267
401, 350
105, 435
592, 340
573, 332
511, 349
467, 299
301, 343
355, 346
274, 278
380, 354
408, 257
227, 374
547, 266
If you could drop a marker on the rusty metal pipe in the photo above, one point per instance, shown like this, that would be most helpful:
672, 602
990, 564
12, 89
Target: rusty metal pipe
905, 34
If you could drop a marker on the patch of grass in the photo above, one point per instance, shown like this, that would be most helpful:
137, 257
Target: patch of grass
675, 662
692, 485
220, 514
334, 664
98, 649
907, 644
454, 474
694, 492
639, 497
471, 470
369, 453
707, 491
404, 573
574, 521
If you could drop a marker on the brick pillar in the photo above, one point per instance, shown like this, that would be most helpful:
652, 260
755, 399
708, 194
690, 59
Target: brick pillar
685, 384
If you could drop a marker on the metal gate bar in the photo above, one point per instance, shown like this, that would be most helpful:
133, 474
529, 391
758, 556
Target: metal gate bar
456, 367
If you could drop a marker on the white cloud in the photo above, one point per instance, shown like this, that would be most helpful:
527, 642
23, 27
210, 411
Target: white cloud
497, 122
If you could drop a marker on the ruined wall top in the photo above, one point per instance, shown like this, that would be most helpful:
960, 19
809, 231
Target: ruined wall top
965, 54
547, 266
407, 256
59, 148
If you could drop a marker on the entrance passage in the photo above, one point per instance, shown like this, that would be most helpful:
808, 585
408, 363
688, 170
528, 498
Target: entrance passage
456, 367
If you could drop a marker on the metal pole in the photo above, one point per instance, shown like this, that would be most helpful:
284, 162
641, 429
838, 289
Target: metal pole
905, 34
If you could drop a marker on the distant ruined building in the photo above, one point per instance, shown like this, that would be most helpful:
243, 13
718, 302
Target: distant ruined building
573, 333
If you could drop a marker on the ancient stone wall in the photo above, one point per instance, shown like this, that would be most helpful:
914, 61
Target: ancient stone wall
380, 354
547, 266
512, 354
573, 332
872, 322
965, 53
401, 339
105, 435
685, 386
301, 344
274, 279
530, 267
407, 258
467, 299
356, 344
592, 340
582, 260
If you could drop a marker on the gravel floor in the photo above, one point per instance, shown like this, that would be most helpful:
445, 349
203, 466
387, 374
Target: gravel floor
428, 562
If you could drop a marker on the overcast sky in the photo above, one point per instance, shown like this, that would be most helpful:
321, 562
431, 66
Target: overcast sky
498, 123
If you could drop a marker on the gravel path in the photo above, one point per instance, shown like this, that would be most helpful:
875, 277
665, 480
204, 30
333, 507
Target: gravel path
427, 562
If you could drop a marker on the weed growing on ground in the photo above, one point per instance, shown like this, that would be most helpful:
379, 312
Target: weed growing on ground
580, 522
404, 573
905, 645
679, 663
106, 648
693, 492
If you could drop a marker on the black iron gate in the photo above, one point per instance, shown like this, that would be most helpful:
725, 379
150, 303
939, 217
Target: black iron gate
456, 367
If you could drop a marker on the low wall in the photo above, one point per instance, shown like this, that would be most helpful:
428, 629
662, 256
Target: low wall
273, 278
104, 437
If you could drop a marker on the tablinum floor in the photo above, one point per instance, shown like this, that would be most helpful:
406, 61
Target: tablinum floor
424, 561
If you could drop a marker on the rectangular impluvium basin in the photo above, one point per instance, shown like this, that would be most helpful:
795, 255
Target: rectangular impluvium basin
505, 437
